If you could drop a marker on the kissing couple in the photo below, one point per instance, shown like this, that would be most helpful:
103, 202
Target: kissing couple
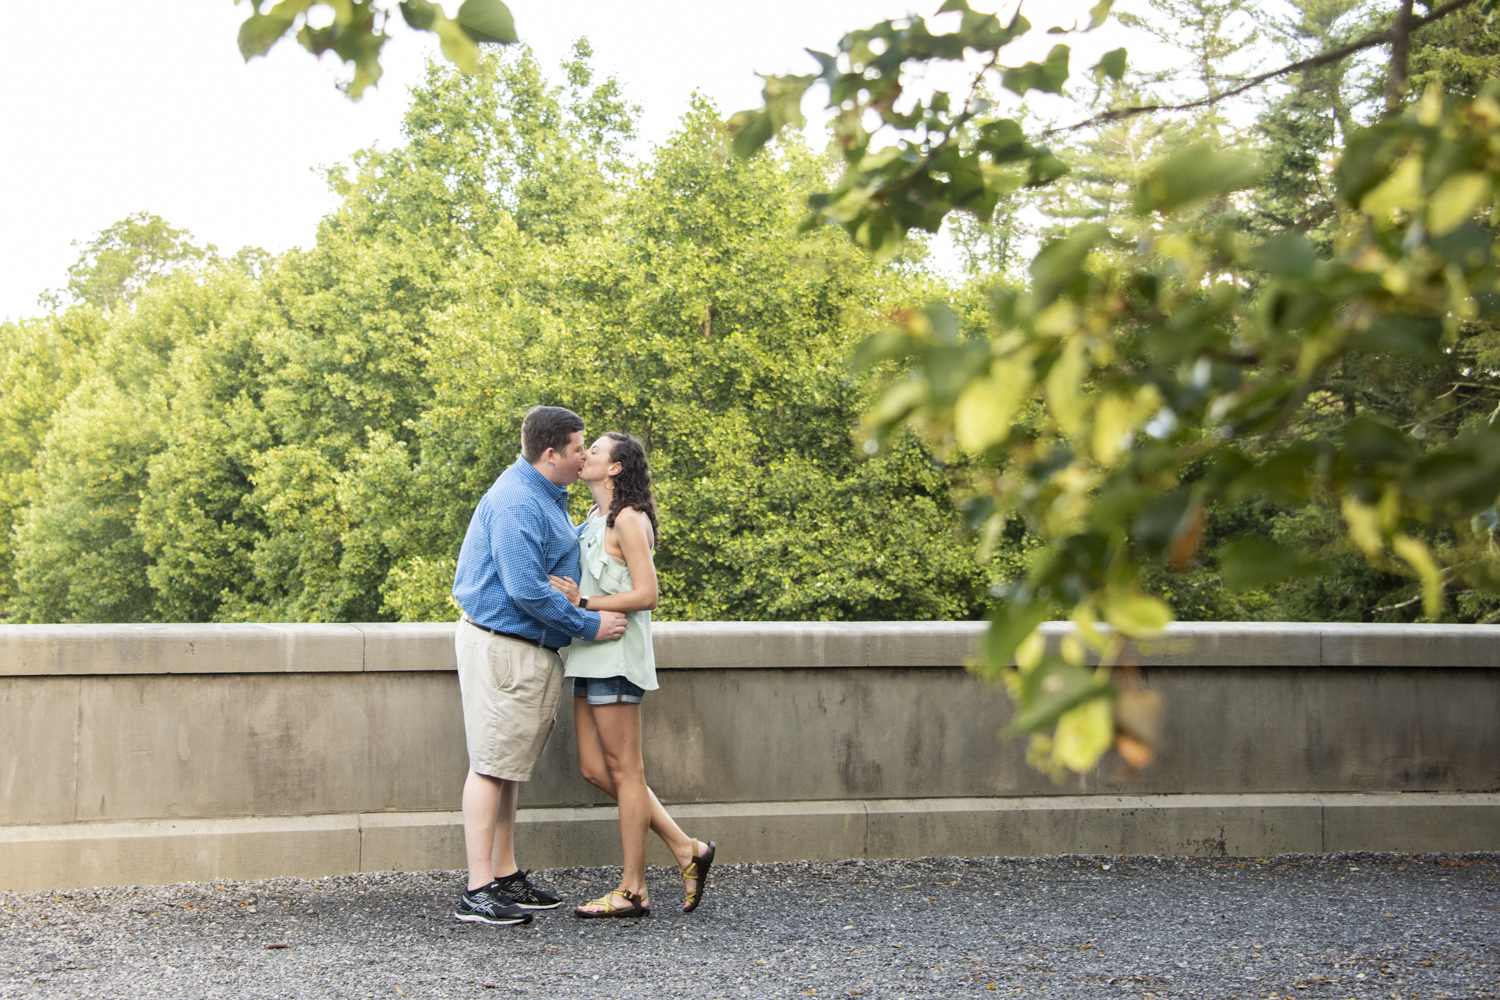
531, 583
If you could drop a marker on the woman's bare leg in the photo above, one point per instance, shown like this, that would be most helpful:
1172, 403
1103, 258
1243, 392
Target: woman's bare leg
592, 763
619, 728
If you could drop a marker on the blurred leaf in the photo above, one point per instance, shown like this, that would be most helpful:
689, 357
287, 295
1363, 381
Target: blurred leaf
1064, 388
1010, 624
1004, 141
1060, 262
897, 403
1486, 521
1456, 201
1194, 174
1054, 687
783, 106
1364, 527
1159, 522
1366, 160
456, 44
1048, 77
1256, 561
1044, 169
1099, 13
1116, 419
1373, 441
1400, 191
1416, 337
487, 21
260, 31
1112, 65
1138, 712
1084, 734
1289, 255
420, 14
1135, 613
1419, 557
985, 409
751, 130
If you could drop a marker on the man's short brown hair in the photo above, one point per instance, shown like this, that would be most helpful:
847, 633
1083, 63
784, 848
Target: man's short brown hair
547, 427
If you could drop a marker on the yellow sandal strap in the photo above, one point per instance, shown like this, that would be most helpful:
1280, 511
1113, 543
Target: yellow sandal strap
609, 907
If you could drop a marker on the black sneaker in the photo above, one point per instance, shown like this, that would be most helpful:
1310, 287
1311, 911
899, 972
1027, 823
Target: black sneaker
527, 896
489, 905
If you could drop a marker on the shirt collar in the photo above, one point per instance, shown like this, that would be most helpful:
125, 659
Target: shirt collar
528, 473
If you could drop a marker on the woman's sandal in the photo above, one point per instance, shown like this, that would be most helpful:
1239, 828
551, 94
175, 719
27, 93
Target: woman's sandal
635, 909
697, 869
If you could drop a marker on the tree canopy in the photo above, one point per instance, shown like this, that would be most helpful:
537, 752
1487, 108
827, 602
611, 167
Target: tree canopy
303, 438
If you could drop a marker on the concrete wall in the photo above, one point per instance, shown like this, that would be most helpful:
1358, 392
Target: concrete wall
163, 753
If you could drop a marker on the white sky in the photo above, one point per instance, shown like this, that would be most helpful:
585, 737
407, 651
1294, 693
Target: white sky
148, 106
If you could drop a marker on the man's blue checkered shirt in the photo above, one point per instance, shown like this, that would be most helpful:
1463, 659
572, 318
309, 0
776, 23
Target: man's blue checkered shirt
520, 532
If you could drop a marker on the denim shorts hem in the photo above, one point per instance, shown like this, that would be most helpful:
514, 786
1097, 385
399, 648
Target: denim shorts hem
607, 690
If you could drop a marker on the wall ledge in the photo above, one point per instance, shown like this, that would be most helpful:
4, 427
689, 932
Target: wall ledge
108, 650
77, 855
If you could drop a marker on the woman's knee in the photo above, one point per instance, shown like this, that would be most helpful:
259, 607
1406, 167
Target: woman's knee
594, 773
625, 771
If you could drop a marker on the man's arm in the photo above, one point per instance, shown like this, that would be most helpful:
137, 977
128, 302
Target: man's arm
516, 545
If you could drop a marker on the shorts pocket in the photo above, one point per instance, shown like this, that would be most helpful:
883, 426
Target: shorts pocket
503, 665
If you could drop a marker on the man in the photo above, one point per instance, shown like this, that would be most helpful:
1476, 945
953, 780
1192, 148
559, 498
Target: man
509, 671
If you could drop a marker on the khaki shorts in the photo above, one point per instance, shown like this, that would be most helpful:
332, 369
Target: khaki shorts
510, 690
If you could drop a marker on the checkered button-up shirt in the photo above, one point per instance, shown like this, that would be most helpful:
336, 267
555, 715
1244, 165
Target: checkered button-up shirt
521, 532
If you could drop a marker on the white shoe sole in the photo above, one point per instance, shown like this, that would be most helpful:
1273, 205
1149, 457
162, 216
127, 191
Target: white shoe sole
475, 918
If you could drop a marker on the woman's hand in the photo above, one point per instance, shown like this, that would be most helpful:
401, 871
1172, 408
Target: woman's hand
566, 586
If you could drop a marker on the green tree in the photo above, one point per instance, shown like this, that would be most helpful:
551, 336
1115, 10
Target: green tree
79, 555
303, 438
41, 361
120, 260
713, 330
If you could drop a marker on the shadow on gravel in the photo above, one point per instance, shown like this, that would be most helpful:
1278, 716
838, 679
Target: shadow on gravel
1302, 926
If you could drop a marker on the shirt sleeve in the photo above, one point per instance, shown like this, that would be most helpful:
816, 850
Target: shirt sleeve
516, 546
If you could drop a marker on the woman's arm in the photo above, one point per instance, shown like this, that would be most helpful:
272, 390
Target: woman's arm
632, 530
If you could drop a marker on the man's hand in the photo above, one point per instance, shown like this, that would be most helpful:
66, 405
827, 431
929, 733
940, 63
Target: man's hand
611, 626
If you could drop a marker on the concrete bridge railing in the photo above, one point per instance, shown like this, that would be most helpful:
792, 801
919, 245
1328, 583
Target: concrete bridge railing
138, 754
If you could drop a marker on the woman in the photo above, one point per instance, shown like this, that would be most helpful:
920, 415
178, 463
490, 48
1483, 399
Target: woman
609, 678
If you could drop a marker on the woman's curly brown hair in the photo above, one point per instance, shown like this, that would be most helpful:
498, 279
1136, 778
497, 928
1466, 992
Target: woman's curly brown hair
633, 484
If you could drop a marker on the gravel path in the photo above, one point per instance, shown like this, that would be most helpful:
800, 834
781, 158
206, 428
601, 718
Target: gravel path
1307, 926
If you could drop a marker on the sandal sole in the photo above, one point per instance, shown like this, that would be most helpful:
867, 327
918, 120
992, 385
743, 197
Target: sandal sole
586, 915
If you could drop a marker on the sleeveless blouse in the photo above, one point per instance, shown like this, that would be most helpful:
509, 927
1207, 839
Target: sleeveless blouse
629, 656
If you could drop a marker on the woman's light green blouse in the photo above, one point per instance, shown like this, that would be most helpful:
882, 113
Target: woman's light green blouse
629, 656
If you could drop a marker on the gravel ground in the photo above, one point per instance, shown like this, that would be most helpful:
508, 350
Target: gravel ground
1306, 926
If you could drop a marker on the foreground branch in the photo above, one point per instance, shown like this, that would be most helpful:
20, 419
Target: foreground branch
1396, 33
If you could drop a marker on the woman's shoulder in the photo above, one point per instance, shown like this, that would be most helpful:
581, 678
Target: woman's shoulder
636, 522
634, 515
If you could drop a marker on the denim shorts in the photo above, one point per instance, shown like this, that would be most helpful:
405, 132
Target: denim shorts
607, 690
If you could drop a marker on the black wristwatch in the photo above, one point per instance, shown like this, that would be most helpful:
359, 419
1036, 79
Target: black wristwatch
583, 604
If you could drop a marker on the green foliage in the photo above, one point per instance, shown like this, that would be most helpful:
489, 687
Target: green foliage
119, 261
1460, 53
1191, 403
303, 438
355, 31
938, 164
